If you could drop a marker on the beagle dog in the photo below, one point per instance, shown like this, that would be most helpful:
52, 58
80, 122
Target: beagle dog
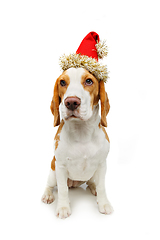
81, 142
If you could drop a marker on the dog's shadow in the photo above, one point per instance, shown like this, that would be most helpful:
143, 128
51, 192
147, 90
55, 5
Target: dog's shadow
77, 196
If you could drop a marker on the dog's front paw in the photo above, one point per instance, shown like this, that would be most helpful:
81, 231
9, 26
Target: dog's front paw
63, 212
105, 208
48, 197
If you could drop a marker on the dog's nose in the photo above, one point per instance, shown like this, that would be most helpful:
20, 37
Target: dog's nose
72, 103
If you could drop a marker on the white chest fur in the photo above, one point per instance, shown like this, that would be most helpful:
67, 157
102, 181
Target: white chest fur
82, 147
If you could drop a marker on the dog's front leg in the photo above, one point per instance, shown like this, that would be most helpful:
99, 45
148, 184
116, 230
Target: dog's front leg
103, 203
63, 208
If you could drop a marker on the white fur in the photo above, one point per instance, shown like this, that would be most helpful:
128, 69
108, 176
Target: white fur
82, 150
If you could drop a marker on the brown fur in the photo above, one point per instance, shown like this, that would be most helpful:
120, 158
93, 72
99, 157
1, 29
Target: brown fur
103, 129
97, 91
58, 94
57, 136
93, 89
55, 105
53, 163
105, 106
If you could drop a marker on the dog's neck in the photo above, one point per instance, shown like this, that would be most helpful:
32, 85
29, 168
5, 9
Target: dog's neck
79, 130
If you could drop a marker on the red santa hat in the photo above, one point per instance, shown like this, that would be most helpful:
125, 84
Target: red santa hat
87, 55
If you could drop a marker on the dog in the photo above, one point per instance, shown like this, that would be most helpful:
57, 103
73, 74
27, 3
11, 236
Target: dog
81, 142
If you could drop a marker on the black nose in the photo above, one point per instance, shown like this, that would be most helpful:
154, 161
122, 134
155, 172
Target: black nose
72, 103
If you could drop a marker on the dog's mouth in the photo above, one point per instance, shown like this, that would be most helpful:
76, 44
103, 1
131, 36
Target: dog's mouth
72, 116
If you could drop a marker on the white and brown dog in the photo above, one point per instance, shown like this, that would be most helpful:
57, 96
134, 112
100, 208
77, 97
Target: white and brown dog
81, 142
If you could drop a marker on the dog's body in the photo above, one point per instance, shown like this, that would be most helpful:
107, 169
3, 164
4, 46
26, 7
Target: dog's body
81, 142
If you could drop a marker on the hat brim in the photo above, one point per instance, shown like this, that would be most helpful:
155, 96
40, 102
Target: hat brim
83, 61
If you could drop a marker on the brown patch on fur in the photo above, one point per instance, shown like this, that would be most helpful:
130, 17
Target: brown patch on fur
103, 129
92, 89
58, 94
57, 136
53, 163
97, 91
105, 106
55, 105
63, 89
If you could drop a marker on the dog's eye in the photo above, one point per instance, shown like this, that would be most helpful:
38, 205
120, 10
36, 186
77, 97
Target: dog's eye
63, 83
88, 82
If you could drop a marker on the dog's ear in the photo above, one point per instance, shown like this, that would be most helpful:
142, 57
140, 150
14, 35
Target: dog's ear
55, 105
104, 103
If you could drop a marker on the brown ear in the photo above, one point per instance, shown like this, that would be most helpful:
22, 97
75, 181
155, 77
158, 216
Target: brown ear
55, 105
104, 103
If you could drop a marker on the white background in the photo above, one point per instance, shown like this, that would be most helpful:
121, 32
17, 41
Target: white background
34, 34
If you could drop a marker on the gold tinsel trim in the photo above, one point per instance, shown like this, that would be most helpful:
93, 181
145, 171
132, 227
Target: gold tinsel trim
102, 49
89, 63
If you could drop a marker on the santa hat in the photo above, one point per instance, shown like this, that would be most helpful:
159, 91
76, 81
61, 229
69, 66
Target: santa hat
87, 55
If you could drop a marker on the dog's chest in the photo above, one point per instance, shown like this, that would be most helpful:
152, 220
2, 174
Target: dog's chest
82, 161
81, 158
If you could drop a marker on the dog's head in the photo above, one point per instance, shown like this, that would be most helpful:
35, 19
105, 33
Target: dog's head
77, 92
